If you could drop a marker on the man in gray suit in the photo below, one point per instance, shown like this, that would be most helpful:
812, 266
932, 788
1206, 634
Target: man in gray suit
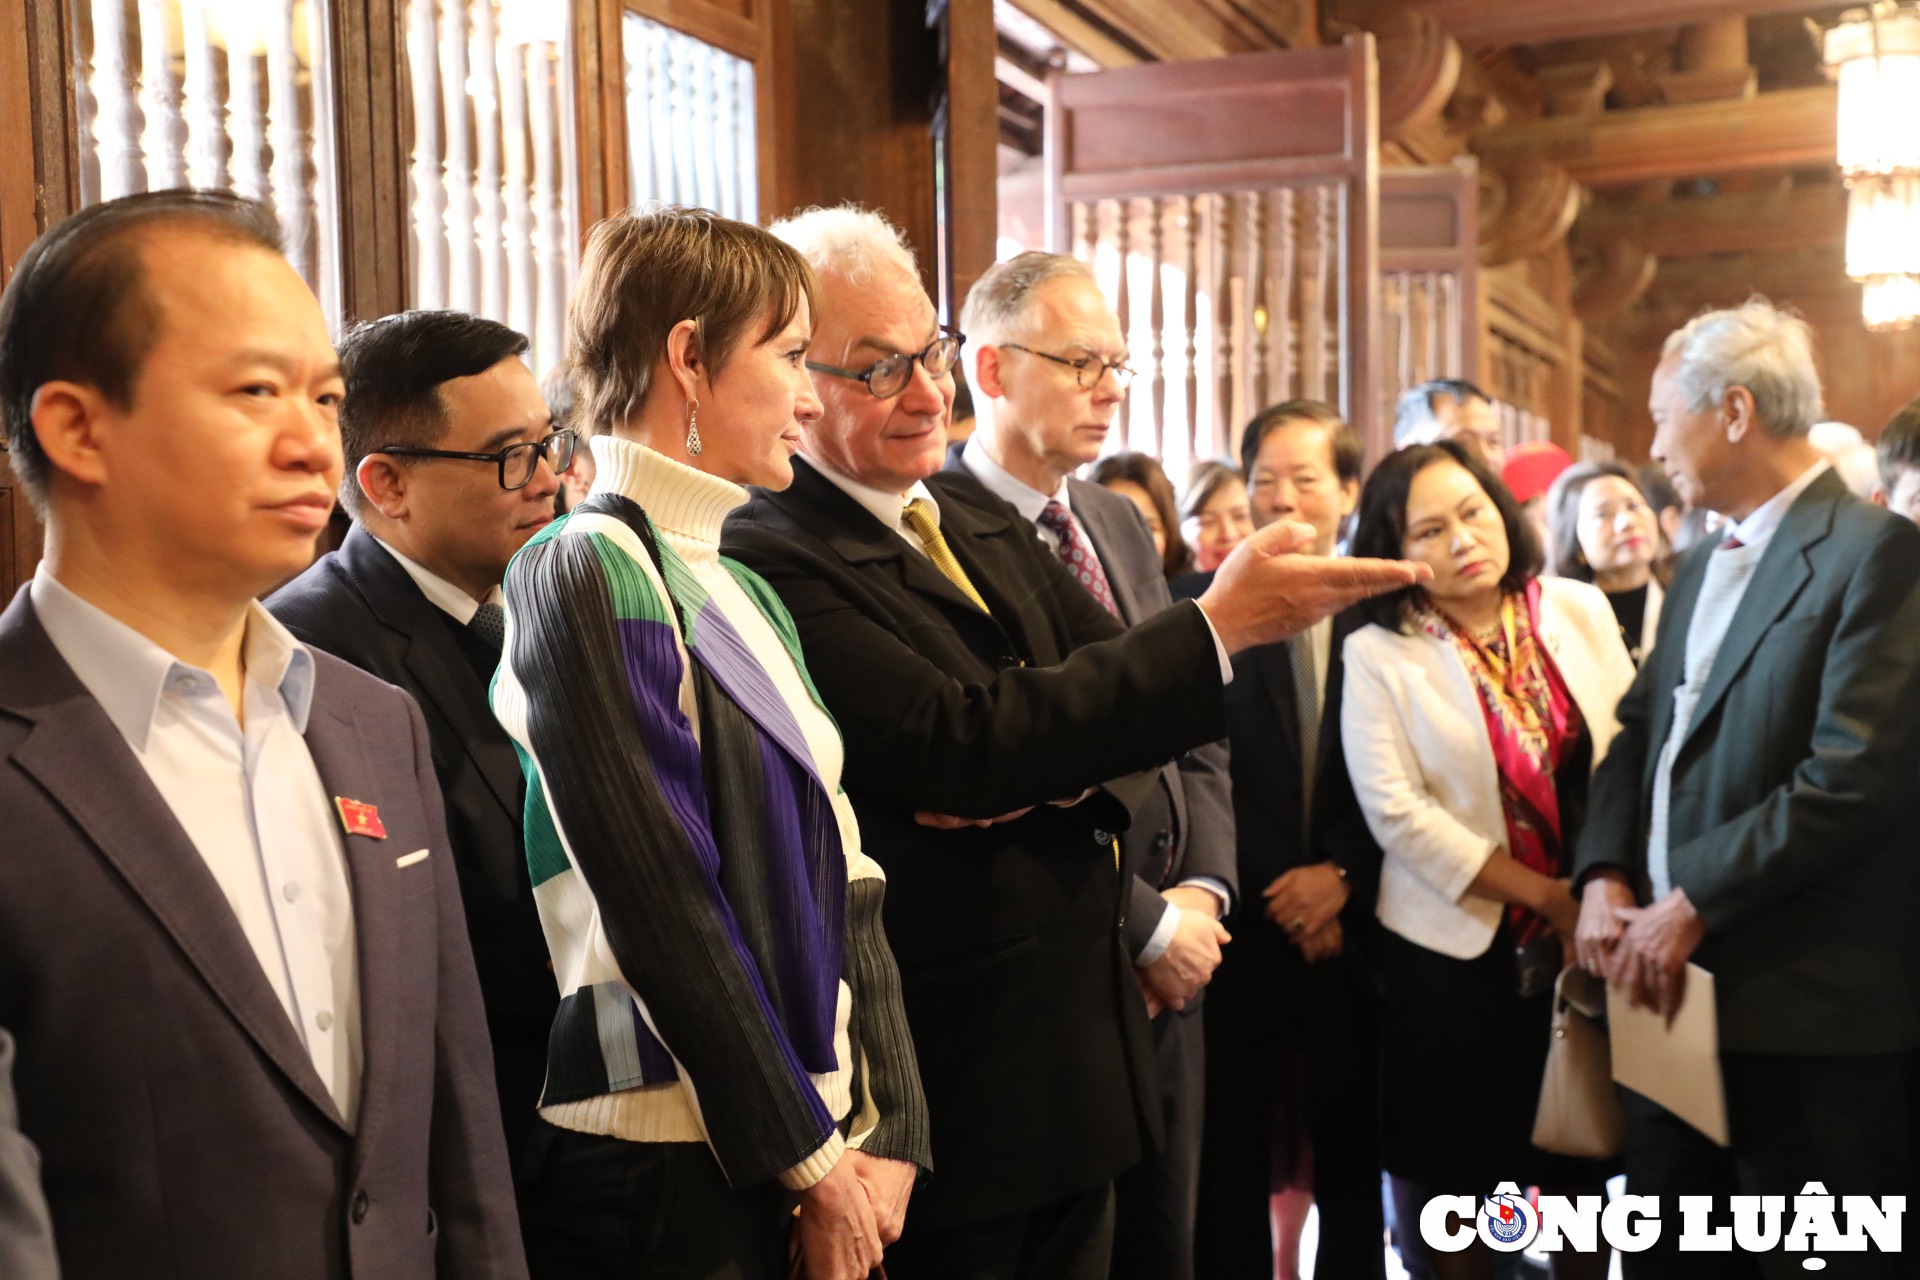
232, 952
26, 1235
1049, 369
1755, 813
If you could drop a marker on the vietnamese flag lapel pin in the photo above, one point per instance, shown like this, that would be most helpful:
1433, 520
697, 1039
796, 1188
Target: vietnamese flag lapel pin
359, 818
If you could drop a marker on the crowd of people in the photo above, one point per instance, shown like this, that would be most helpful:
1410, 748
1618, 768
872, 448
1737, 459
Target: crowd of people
707, 821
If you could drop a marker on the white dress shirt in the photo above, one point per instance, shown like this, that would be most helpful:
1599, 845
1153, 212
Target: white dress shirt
443, 595
249, 799
1728, 574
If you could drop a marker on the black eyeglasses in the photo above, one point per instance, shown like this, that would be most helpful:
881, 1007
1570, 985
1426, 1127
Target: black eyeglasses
1087, 370
889, 375
517, 462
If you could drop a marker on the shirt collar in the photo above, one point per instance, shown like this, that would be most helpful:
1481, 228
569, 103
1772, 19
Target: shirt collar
1764, 519
126, 673
886, 507
443, 595
1025, 499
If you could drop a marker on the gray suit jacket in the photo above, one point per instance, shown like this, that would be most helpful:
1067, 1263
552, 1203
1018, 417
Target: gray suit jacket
1794, 795
183, 1130
1185, 828
26, 1233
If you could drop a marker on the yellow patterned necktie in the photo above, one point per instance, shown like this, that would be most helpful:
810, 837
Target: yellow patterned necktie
919, 518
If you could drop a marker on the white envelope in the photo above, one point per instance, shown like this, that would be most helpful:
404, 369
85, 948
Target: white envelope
1677, 1066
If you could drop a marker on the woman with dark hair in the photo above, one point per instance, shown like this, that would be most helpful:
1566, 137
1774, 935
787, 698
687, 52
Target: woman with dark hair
1605, 532
1475, 709
1215, 517
1138, 478
730, 1039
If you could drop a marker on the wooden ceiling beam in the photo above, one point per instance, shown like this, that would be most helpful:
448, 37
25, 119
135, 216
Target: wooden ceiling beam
1691, 283
1074, 30
1798, 218
1792, 129
1483, 23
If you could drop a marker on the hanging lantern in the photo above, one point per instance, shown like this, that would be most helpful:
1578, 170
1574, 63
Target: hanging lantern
1874, 54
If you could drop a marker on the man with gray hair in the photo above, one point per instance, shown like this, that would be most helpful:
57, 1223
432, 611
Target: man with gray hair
987, 702
1049, 367
1754, 815
1450, 409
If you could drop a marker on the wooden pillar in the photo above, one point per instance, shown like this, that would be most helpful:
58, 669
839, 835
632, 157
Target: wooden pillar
973, 141
858, 79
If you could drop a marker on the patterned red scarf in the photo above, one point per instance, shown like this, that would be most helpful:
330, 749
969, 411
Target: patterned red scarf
1533, 724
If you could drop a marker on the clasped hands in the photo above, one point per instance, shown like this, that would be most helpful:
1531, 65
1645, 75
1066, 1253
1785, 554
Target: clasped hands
849, 1216
1191, 956
1306, 902
1642, 950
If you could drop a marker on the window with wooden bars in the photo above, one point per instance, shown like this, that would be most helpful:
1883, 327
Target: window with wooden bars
495, 214
234, 94
690, 122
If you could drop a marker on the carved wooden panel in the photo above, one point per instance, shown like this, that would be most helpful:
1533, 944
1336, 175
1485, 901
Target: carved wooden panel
1429, 276
1242, 198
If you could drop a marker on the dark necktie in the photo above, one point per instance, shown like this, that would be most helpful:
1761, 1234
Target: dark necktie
1306, 699
488, 626
1730, 543
1078, 554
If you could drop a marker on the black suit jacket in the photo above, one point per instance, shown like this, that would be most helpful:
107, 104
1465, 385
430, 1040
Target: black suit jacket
183, 1131
1184, 826
359, 604
1263, 719
1793, 797
1030, 1030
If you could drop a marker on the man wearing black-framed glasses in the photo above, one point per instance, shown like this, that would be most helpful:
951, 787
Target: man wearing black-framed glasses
452, 464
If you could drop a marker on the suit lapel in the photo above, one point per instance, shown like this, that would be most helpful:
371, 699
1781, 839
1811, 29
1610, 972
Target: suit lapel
385, 943
1783, 570
79, 758
434, 660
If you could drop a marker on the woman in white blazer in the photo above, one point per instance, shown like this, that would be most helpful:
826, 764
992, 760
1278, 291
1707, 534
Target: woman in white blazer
1473, 713
1604, 531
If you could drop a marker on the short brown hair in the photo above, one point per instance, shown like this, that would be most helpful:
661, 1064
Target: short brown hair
643, 273
78, 308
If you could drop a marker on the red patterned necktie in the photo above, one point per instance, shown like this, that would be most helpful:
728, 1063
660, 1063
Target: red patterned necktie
1078, 554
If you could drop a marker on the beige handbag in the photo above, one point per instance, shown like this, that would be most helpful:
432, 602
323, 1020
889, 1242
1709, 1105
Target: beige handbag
1579, 1113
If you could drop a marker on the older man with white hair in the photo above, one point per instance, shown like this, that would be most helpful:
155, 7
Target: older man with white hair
986, 699
1755, 813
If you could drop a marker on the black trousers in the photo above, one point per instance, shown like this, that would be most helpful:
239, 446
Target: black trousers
1838, 1121
1290, 1038
603, 1209
1154, 1201
1068, 1240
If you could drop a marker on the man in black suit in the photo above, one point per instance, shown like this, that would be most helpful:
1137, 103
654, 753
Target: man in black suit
413, 596
1049, 369
985, 698
1759, 800
1290, 1032
232, 956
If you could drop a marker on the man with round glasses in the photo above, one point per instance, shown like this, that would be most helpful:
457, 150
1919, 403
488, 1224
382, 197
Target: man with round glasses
451, 466
987, 700
1049, 369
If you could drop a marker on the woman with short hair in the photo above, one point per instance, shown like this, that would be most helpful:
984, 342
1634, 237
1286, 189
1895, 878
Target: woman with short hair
730, 1036
1475, 709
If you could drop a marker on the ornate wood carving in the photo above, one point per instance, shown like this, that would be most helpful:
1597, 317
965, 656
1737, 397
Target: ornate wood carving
1526, 207
1611, 278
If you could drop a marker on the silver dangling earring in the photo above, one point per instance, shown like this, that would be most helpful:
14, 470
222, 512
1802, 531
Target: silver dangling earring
693, 427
